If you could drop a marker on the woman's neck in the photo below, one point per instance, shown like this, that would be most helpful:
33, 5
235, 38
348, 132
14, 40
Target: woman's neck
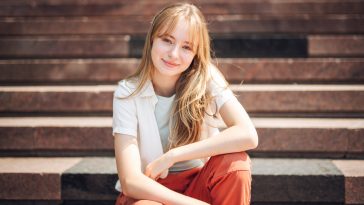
164, 86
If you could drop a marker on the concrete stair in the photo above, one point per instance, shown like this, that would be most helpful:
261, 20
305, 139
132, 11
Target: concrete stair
297, 66
236, 71
147, 8
121, 46
86, 180
90, 136
337, 100
293, 24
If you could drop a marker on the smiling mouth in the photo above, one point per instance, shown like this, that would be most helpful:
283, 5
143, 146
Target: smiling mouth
169, 64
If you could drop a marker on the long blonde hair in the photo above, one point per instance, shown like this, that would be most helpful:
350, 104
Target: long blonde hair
192, 96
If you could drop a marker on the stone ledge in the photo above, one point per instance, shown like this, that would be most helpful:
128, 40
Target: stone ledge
124, 8
235, 70
274, 180
64, 46
299, 180
336, 45
91, 179
91, 136
217, 24
32, 178
354, 180
330, 99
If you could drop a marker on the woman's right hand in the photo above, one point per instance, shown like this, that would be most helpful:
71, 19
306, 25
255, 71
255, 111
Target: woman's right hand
159, 167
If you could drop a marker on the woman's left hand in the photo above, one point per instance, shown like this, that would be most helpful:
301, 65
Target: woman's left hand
159, 167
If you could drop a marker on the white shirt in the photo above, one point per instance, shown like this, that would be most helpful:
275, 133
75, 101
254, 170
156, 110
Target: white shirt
134, 116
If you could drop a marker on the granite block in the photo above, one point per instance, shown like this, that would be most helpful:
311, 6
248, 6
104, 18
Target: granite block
335, 45
235, 70
90, 179
73, 100
32, 178
296, 181
66, 71
245, 46
147, 8
64, 47
353, 171
271, 24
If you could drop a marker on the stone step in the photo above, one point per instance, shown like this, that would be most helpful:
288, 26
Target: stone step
142, 7
334, 45
91, 180
91, 136
220, 24
346, 100
236, 70
64, 46
120, 46
238, 46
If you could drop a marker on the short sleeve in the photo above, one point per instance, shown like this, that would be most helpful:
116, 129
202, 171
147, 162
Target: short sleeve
124, 113
219, 88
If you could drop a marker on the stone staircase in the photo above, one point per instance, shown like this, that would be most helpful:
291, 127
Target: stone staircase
297, 67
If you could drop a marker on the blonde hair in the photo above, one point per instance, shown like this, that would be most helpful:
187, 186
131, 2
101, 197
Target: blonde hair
192, 96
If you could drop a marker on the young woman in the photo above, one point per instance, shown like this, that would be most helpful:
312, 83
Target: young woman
165, 121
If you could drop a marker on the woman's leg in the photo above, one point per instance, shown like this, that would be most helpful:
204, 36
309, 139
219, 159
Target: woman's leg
175, 181
146, 202
225, 179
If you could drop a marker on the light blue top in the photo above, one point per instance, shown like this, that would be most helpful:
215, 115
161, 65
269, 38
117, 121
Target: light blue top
162, 113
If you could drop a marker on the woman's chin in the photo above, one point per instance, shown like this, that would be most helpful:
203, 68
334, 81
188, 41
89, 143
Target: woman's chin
169, 71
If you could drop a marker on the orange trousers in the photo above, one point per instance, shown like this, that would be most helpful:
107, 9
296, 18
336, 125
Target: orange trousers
223, 180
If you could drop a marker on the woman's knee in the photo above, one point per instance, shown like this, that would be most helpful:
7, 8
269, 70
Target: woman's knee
232, 161
231, 156
146, 202
124, 200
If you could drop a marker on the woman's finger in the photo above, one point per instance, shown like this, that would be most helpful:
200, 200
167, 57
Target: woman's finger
147, 171
164, 174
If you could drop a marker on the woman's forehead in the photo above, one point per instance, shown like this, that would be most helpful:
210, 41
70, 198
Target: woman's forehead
181, 30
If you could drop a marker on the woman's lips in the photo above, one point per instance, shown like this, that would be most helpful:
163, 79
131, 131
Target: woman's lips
169, 64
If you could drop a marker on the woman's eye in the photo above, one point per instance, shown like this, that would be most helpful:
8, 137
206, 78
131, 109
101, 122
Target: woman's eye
167, 40
187, 48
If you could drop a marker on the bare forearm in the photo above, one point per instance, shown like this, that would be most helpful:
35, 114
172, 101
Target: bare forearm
228, 141
146, 188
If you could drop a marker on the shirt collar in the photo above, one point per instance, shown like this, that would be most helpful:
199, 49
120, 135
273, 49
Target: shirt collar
147, 90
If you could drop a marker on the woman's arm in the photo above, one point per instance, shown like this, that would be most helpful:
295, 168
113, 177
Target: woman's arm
134, 183
240, 135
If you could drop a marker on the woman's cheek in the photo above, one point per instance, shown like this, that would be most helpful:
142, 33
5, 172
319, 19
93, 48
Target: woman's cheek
188, 58
163, 47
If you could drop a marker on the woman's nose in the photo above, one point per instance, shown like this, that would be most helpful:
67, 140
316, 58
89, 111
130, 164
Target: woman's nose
174, 51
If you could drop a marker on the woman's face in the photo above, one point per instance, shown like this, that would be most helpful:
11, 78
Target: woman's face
173, 53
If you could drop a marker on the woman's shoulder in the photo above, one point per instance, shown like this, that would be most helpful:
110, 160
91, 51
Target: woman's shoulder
216, 81
126, 87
